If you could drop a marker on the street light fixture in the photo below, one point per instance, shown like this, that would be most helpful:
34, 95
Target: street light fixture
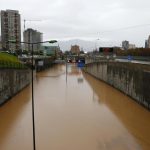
96, 44
33, 115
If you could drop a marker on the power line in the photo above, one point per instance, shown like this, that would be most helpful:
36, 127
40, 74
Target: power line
127, 28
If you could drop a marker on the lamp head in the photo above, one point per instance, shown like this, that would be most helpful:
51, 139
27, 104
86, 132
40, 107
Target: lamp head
52, 41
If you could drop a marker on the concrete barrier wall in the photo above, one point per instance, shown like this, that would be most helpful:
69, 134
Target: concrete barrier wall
131, 79
11, 82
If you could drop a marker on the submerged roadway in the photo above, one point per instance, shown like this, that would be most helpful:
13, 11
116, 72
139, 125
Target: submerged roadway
73, 111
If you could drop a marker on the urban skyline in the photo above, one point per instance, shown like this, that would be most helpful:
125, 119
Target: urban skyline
110, 21
146, 42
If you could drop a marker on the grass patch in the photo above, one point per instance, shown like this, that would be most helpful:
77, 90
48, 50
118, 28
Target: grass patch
8, 61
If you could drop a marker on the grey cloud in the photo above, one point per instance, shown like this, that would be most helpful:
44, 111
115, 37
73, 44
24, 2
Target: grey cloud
86, 18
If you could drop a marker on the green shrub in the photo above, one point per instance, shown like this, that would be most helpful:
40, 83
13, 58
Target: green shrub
10, 62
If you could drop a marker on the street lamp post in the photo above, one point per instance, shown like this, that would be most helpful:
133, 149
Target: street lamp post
33, 115
96, 44
95, 51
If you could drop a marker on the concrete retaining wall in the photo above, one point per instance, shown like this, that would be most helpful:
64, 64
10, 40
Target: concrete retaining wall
11, 82
131, 79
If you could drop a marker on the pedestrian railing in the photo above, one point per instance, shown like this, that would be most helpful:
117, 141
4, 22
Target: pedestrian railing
11, 65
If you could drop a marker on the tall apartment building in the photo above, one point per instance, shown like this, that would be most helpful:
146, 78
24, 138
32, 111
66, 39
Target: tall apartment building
32, 36
147, 43
10, 30
125, 45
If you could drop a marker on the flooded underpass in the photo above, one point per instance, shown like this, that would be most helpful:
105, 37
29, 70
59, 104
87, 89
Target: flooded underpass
73, 111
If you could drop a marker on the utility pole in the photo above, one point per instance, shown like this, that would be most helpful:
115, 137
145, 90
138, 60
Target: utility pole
32, 59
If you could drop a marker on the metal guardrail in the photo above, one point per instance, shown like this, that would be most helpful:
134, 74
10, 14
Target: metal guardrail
140, 58
133, 59
11, 65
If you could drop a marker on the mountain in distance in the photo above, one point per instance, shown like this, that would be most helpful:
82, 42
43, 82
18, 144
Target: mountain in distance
84, 45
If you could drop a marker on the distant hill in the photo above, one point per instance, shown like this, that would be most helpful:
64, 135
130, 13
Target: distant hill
84, 45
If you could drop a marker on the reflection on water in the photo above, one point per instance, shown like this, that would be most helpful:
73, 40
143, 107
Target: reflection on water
84, 114
133, 116
72, 70
15, 123
80, 80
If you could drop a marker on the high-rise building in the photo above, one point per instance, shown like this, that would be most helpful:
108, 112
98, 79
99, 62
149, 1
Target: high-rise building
32, 36
148, 42
125, 45
10, 30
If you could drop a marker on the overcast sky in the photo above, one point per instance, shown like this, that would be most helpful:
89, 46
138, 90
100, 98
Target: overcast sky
86, 19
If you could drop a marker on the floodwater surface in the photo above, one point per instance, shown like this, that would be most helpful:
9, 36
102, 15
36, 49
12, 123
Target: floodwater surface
73, 111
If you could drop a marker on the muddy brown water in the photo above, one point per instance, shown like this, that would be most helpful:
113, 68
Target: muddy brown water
73, 112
